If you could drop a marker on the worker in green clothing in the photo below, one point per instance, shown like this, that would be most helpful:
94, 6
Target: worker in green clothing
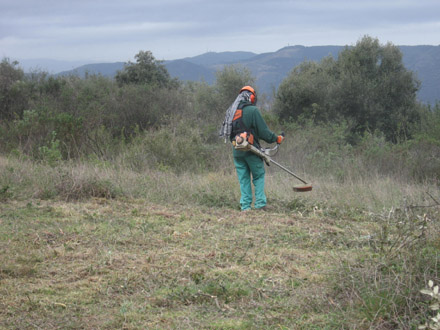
243, 119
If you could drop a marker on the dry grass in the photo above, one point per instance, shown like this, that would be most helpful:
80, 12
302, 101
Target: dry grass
163, 251
112, 264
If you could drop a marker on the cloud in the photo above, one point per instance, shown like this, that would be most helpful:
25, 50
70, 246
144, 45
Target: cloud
117, 30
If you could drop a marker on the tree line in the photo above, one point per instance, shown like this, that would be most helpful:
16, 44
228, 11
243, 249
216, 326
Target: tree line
367, 88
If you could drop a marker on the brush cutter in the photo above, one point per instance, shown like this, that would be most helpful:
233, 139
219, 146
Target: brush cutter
241, 143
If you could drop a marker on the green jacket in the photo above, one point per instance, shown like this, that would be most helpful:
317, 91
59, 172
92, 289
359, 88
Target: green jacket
253, 120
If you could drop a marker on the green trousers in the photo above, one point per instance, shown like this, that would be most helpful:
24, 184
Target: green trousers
248, 164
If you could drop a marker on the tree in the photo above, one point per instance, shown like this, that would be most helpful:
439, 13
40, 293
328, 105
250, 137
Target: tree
213, 100
230, 80
11, 78
306, 92
367, 86
146, 70
375, 89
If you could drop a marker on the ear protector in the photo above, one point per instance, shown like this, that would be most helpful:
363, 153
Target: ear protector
253, 97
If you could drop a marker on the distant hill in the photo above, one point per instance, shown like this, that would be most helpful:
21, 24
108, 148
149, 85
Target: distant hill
211, 59
189, 71
271, 68
425, 62
104, 69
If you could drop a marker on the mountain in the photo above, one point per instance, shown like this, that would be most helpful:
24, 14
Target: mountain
271, 68
190, 71
182, 69
212, 58
424, 61
104, 69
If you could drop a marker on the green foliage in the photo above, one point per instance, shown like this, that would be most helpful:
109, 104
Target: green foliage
229, 81
88, 114
146, 70
177, 149
323, 149
35, 133
307, 92
424, 158
12, 101
207, 104
97, 118
376, 89
5, 193
52, 153
429, 126
144, 107
210, 102
367, 85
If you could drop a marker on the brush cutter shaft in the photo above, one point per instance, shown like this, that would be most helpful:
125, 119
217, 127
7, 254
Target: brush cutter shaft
288, 171
269, 160
265, 154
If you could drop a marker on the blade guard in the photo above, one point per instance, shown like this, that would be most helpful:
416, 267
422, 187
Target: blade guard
304, 188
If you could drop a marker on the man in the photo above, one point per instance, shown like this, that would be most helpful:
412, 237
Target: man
247, 118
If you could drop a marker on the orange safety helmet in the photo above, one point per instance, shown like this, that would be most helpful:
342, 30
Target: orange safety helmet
253, 97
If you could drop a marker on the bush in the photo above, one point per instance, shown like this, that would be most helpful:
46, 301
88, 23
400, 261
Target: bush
327, 150
84, 113
38, 128
179, 149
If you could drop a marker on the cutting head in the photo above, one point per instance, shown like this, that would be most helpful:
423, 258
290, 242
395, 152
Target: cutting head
303, 188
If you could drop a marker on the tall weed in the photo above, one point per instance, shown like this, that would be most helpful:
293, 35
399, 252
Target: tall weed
326, 151
380, 287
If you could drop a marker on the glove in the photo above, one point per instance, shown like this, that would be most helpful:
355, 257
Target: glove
280, 138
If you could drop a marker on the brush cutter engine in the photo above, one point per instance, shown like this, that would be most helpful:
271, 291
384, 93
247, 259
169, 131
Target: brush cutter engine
240, 142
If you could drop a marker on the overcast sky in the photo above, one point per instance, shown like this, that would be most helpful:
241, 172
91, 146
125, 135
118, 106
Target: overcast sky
113, 30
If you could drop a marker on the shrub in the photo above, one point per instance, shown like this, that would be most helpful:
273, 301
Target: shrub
51, 154
179, 149
36, 130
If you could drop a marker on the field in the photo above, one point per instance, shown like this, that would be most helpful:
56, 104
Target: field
85, 246
119, 205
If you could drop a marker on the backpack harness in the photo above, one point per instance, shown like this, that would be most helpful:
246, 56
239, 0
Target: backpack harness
241, 136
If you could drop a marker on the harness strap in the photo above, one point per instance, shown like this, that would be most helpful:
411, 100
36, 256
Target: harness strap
238, 127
